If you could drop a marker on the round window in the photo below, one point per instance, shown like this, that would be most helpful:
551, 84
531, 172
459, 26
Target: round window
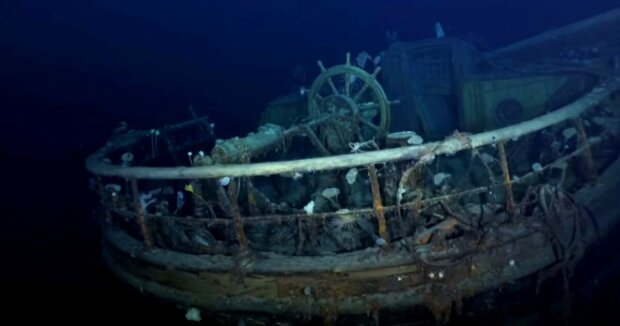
509, 111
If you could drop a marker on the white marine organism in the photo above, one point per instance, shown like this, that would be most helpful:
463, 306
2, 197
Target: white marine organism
189, 157
594, 139
427, 158
224, 181
568, 133
212, 129
352, 79
113, 188
415, 140
537, 167
154, 134
440, 177
270, 129
378, 58
362, 59
399, 194
297, 176
357, 147
309, 208
330, 192
346, 220
180, 201
439, 33
351, 176
193, 314
126, 158
146, 199
560, 164
487, 158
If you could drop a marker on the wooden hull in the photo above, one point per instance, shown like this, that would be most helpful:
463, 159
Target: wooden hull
352, 283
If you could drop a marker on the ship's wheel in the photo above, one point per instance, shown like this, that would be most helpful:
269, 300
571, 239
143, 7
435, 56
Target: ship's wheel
353, 96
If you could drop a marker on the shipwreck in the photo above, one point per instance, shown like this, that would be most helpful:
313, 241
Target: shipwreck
436, 174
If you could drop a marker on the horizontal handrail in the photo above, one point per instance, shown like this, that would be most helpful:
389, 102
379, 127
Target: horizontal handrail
96, 164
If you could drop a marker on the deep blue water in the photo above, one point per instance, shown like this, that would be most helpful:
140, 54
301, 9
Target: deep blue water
71, 70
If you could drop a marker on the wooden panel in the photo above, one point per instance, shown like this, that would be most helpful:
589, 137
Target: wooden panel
480, 99
206, 283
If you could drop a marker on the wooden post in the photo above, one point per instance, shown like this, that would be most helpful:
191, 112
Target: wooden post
234, 207
140, 215
104, 201
170, 146
377, 202
510, 203
590, 167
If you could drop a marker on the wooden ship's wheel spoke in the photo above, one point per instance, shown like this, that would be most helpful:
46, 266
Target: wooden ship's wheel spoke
368, 106
369, 124
356, 91
360, 93
332, 86
347, 84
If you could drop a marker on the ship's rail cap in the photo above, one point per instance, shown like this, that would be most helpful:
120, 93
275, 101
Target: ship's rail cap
97, 164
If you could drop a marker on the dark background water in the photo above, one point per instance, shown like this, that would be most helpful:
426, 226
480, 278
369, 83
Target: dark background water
71, 70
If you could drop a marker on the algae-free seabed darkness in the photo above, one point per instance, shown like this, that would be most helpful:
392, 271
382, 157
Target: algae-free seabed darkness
310, 162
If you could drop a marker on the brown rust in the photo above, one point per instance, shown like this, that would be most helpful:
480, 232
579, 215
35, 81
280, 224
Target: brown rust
343, 285
170, 275
278, 282
510, 202
234, 208
377, 202
140, 215
424, 235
